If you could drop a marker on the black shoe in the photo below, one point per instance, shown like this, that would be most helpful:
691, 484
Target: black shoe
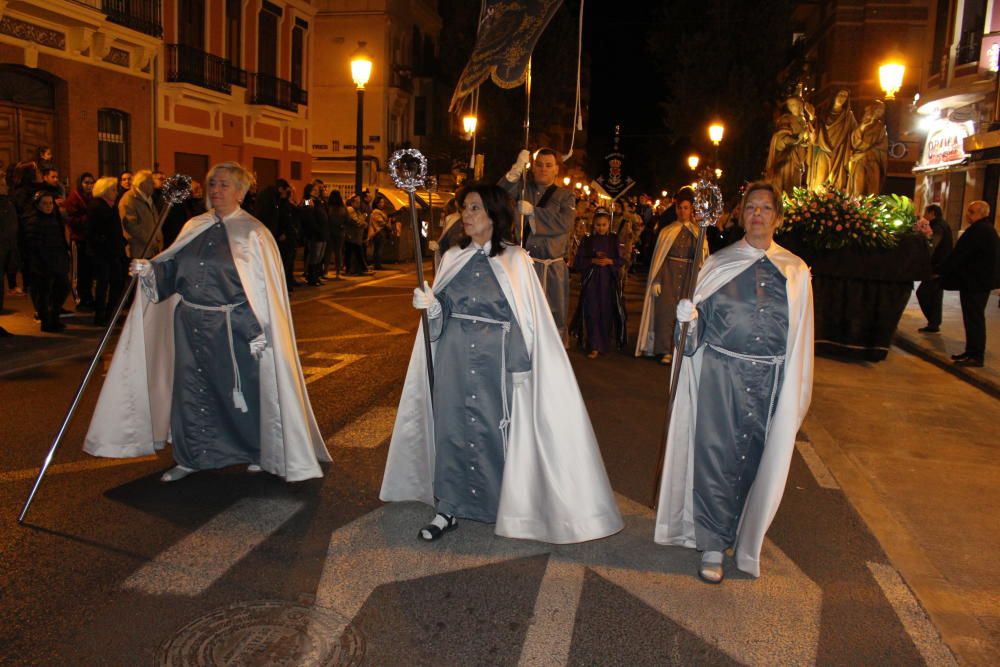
969, 362
929, 329
956, 357
431, 533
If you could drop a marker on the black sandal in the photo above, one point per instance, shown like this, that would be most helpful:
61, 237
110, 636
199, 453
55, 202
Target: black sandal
436, 532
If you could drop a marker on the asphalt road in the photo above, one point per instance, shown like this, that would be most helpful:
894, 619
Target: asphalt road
115, 568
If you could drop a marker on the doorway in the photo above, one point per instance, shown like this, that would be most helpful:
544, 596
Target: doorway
27, 115
266, 171
191, 164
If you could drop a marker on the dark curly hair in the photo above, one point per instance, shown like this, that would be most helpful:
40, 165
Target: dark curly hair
500, 209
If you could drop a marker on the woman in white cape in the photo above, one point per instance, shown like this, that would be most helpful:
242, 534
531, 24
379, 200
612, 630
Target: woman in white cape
507, 439
664, 284
207, 356
744, 388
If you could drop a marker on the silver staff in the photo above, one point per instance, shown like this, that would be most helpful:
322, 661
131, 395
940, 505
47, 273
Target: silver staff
408, 169
707, 210
176, 189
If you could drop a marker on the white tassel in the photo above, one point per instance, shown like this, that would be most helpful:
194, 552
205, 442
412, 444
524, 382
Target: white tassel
239, 401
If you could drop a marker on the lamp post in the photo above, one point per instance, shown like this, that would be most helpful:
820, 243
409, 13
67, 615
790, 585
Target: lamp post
890, 78
693, 161
715, 132
469, 123
361, 71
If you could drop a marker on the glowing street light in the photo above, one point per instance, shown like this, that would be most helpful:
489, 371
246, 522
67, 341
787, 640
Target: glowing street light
566, 180
578, 185
663, 193
890, 77
715, 132
693, 161
718, 173
361, 71
469, 124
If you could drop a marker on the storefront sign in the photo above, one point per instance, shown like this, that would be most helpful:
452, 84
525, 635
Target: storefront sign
943, 146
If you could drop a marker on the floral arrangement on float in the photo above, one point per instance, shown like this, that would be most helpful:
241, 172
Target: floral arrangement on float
831, 219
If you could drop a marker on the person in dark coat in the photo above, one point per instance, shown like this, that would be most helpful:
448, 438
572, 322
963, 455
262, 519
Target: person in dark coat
8, 242
76, 206
600, 313
25, 182
930, 293
274, 208
49, 253
315, 230
106, 246
354, 239
971, 268
338, 224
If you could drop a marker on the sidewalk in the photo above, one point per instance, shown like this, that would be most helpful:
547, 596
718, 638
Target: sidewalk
937, 348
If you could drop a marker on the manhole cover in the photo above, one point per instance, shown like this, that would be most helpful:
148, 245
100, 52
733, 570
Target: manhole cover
266, 632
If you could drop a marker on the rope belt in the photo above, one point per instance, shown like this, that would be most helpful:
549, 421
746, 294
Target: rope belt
547, 263
228, 308
776, 361
505, 420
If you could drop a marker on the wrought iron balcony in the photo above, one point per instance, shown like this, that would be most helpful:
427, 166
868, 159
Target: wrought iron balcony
237, 76
272, 91
301, 96
186, 64
969, 47
142, 15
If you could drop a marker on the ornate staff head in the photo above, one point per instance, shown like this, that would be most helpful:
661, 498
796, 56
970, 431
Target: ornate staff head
408, 169
708, 202
177, 188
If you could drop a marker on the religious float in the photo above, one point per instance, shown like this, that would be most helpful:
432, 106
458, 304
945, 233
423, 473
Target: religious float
865, 253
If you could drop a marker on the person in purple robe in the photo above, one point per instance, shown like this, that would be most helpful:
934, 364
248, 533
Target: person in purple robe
600, 313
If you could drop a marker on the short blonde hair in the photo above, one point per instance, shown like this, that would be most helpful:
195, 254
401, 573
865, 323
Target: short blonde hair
244, 177
140, 177
104, 184
771, 189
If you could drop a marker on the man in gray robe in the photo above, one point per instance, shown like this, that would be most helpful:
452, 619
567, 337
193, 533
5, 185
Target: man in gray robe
549, 212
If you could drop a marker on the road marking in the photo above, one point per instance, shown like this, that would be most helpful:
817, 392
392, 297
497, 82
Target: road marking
816, 466
197, 561
551, 631
324, 339
369, 430
923, 633
75, 466
378, 281
364, 318
313, 373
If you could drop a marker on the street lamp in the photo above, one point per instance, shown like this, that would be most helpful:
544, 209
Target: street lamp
578, 185
693, 161
469, 125
890, 77
566, 180
715, 132
663, 193
718, 174
361, 71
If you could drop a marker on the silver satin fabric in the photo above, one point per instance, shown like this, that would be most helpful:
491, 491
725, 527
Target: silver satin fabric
468, 406
749, 315
208, 430
671, 280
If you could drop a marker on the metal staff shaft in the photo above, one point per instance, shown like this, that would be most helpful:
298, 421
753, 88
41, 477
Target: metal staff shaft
527, 137
690, 281
418, 256
94, 361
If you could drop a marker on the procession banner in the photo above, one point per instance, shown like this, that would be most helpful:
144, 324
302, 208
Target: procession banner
507, 36
613, 179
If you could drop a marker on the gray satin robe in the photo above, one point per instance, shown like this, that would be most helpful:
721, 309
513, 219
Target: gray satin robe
469, 461
747, 316
671, 279
207, 429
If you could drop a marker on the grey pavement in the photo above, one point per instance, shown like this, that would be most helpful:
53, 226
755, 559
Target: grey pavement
938, 348
875, 557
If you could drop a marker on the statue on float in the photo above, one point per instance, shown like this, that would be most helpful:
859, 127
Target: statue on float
790, 152
832, 147
869, 159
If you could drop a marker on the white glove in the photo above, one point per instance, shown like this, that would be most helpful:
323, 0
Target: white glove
656, 289
520, 164
140, 268
686, 311
424, 299
525, 207
257, 346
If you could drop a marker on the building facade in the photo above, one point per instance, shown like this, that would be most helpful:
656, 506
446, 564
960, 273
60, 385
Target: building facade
233, 86
402, 104
958, 110
841, 43
79, 77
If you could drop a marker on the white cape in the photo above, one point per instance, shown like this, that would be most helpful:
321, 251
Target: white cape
675, 514
647, 332
555, 488
132, 417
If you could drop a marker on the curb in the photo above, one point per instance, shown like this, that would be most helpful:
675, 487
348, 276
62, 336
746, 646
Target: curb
987, 385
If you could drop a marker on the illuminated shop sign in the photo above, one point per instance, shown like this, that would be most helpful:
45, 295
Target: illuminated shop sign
943, 146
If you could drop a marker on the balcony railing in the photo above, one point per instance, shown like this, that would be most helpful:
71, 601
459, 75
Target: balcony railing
272, 91
186, 64
142, 15
301, 96
968, 47
237, 76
